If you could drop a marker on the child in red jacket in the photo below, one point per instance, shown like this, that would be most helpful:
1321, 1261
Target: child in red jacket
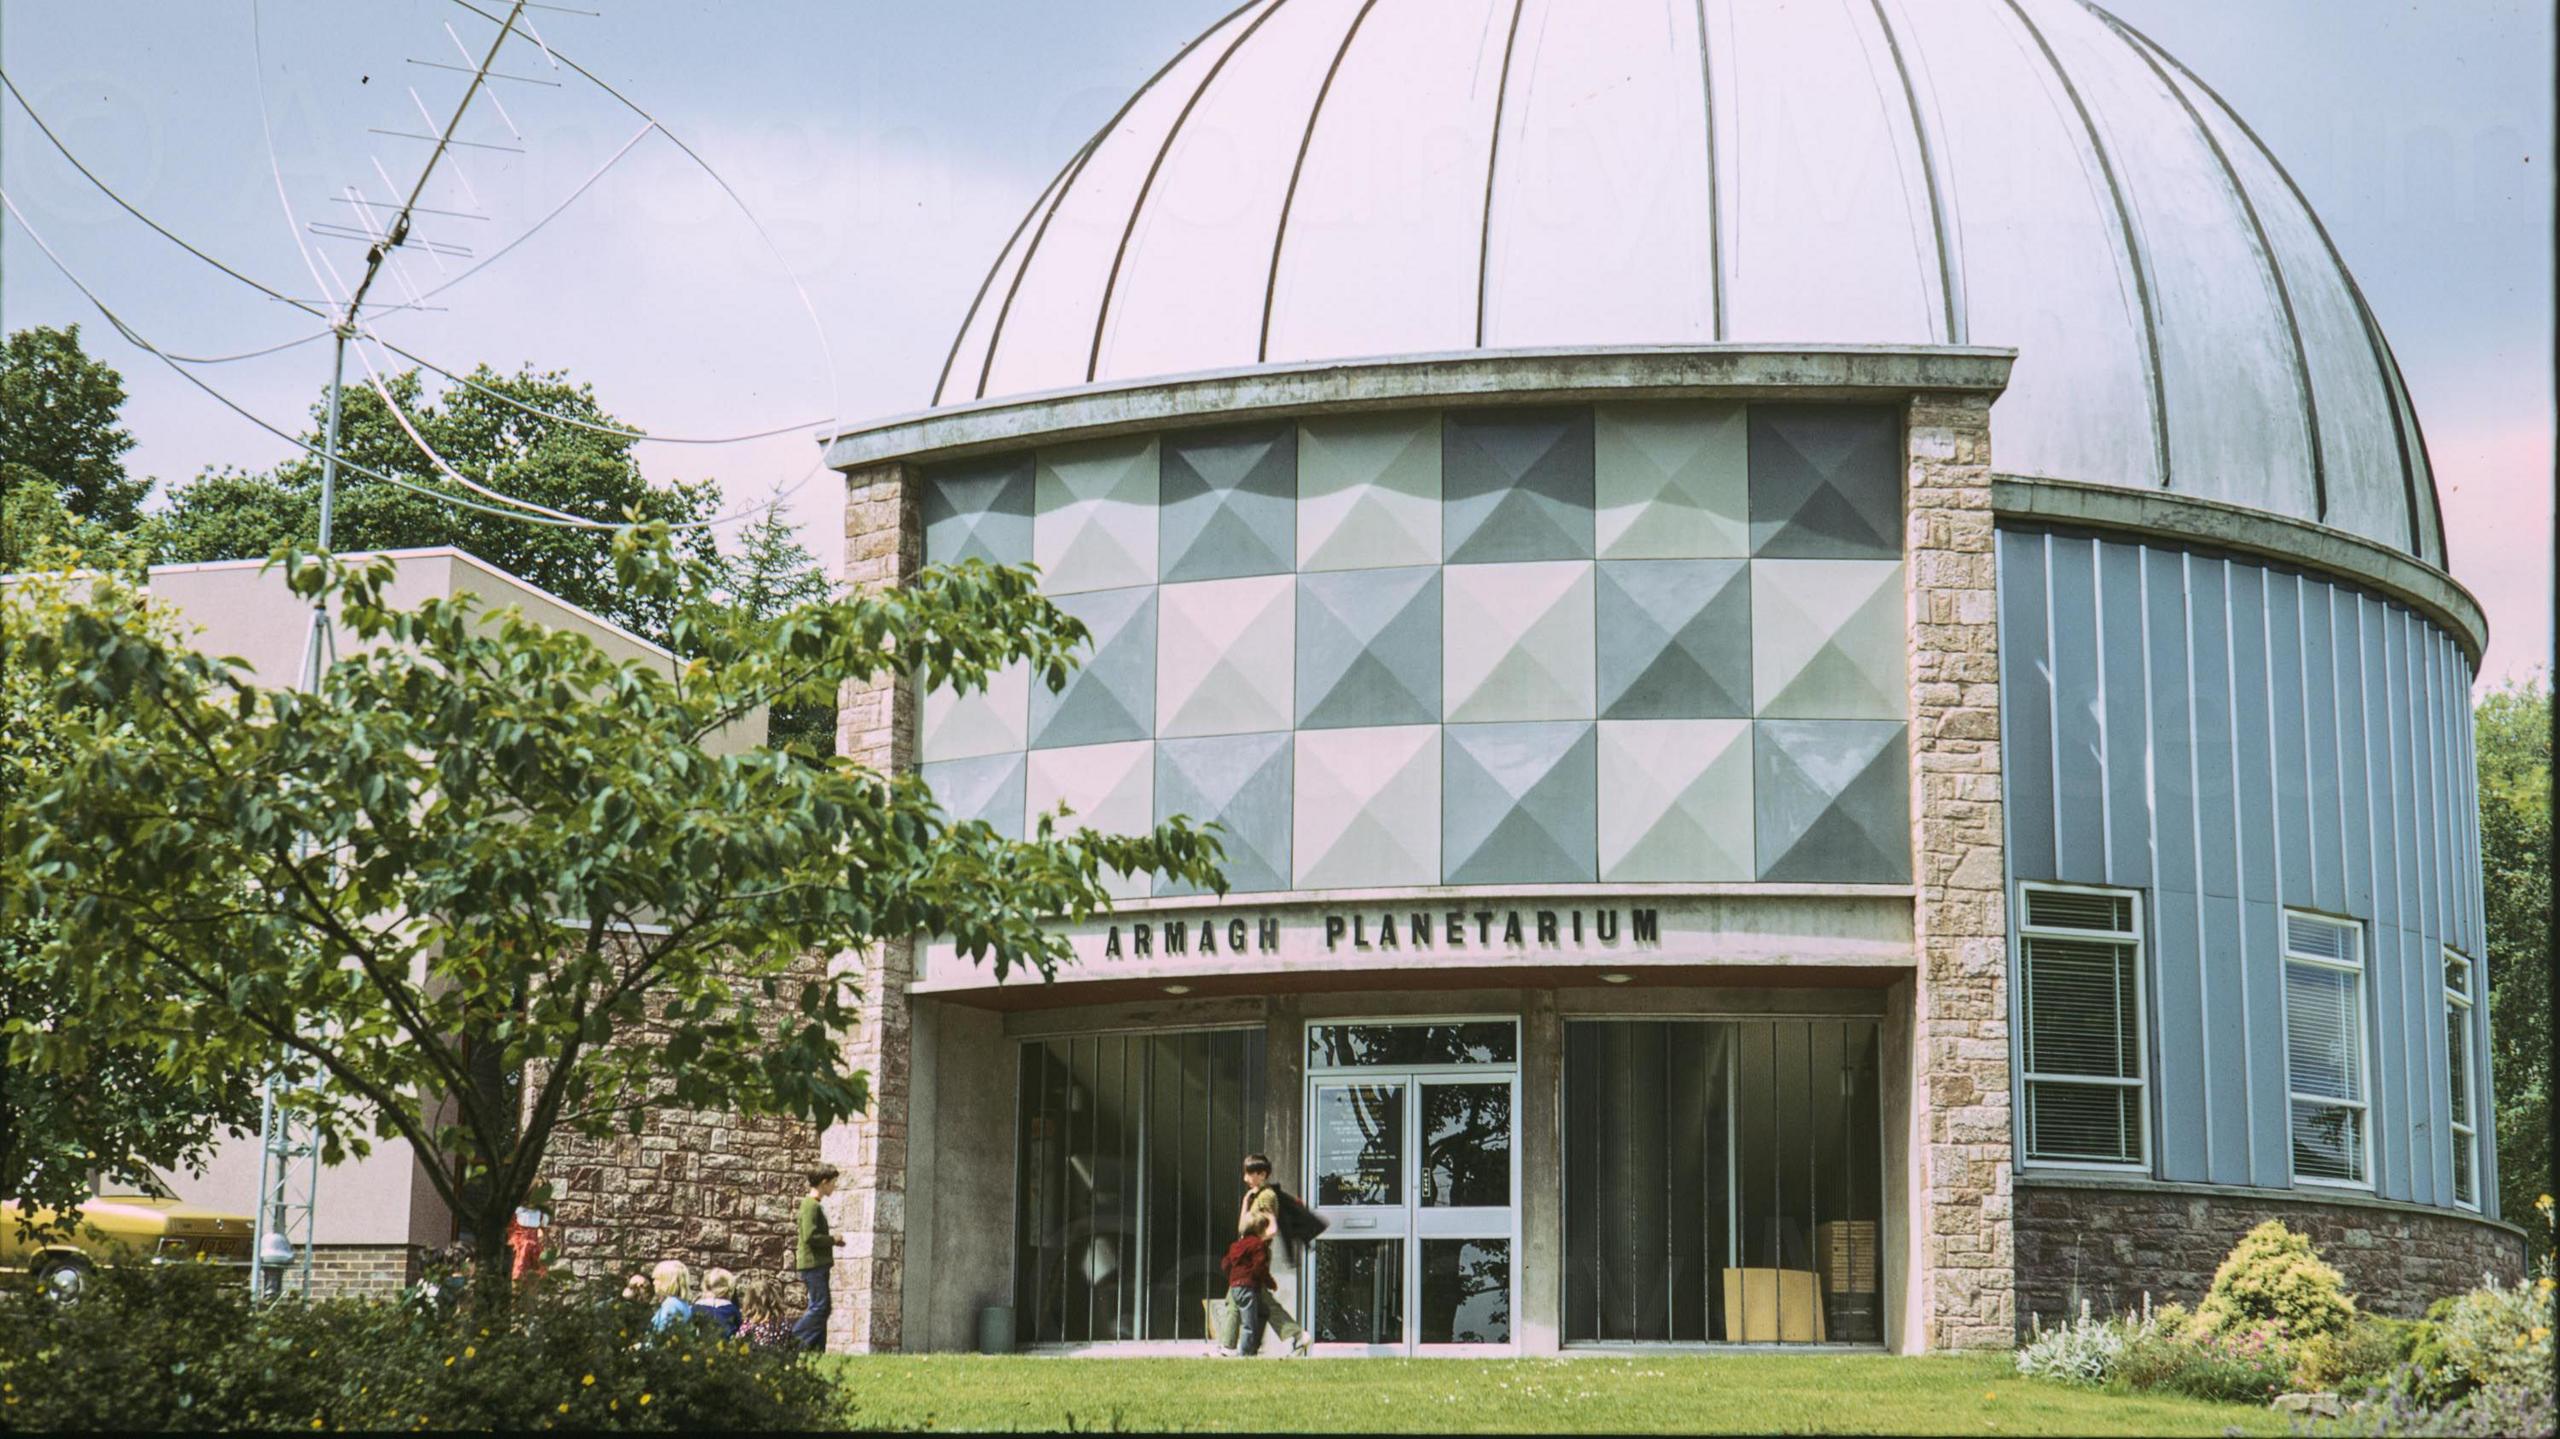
1248, 1266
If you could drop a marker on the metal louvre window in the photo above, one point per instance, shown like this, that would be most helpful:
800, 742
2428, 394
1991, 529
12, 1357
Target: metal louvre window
1126, 1180
2325, 1048
2457, 1054
2081, 1006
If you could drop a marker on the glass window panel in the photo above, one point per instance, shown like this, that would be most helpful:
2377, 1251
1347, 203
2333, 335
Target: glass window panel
2089, 1123
2323, 1032
2328, 1141
1466, 1146
2080, 1008
2457, 1049
1126, 1180
2320, 938
1466, 1291
2071, 909
1359, 1291
1348, 1046
1358, 1132
2464, 1157
1700, 1149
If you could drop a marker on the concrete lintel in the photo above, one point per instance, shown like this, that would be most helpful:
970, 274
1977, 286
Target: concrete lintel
2157, 514
1867, 372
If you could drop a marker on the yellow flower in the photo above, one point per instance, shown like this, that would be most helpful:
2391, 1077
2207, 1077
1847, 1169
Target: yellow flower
470, 1351
564, 1407
588, 1382
645, 1398
448, 1361
315, 1423
613, 1406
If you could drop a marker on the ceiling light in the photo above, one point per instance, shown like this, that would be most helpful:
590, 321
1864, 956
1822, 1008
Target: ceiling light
1616, 978
1177, 989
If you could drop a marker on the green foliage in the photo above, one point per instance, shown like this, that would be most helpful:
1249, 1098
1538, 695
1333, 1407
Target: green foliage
2272, 1279
2493, 1335
579, 471
59, 431
180, 1348
771, 574
2247, 1365
481, 846
2362, 1354
2513, 724
116, 1114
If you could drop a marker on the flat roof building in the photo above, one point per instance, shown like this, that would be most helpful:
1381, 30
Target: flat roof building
1823, 644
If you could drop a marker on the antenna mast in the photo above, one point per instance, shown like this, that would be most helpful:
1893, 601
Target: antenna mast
286, 1141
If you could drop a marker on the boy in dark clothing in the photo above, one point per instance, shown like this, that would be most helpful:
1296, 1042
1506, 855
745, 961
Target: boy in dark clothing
1248, 1266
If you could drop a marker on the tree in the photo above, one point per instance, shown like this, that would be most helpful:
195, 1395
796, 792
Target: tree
569, 467
479, 837
772, 574
59, 430
2513, 725
116, 1114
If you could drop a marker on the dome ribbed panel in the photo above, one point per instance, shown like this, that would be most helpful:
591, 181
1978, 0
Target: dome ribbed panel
1046, 339
2047, 271
1826, 211
1318, 180
1595, 243
1383, 250
1191, 285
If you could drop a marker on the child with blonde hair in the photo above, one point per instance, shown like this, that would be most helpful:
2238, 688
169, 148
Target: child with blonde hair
673, 1283
764, 1313
715, 1307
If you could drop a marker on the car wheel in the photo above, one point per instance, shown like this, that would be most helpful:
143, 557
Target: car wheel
63, 1279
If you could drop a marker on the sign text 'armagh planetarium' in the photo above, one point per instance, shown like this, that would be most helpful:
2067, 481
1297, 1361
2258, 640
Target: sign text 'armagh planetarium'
1387, 929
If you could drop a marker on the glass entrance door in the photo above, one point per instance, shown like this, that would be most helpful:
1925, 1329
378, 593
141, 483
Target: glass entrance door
1412, 1133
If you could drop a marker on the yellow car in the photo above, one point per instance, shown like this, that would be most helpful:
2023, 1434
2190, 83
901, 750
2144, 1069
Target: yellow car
125, 1223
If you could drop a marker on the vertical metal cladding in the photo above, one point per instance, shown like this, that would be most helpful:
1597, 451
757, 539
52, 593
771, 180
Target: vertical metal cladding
2234, 739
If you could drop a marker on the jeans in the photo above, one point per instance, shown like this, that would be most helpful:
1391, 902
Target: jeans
1248, 1307
811, 1332
1284, 1327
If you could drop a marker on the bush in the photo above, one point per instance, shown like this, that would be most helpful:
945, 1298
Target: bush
2247, 1367
2272, 1278
2362, 1355
180, 1347
2494, 1335
2086, 1351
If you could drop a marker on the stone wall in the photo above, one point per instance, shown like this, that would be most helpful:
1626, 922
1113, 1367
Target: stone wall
708, 1187
365, 1271
2111, 1246
876, 726
1960, 1016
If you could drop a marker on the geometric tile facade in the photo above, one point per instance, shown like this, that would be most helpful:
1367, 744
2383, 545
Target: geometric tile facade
1640, 643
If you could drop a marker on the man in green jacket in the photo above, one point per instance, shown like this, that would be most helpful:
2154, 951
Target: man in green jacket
814, 1255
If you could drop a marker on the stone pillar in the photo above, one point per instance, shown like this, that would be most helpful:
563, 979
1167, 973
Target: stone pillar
1961, 1139
876, 726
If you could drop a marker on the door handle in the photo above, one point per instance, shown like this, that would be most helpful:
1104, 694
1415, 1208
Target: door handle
1365, 1221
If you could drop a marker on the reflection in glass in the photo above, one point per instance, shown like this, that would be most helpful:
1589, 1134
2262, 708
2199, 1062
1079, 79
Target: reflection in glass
1359, 1291
1348, 1046
1466, 1291
1723, 1180
1359, 1144
1466, 1145
1126, 1182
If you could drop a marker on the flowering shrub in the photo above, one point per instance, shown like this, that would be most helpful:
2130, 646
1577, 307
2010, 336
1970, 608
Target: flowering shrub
2248, 1366
2365, 1353
2481, 1363
2272, 1278
180, 1347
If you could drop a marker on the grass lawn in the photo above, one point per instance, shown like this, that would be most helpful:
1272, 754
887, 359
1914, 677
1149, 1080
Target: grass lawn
1703, 1394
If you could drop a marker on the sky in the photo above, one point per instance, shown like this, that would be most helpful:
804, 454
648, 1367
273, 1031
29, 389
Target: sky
879, 154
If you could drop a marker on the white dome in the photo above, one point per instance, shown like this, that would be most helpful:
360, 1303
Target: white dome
1316, 180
